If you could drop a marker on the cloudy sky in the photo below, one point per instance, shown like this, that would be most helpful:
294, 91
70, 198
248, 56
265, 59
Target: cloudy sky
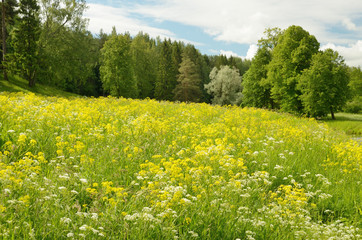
233, 27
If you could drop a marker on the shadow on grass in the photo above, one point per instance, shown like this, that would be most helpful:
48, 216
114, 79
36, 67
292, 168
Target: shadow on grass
17, 84
349, 123
344, 117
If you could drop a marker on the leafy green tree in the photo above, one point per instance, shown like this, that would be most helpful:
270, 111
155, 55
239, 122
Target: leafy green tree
256, 90
355, 104
225, 86
188, 87
143, 50
24, 40
67, 50
116, 68
324, 85
292, 54
355, 83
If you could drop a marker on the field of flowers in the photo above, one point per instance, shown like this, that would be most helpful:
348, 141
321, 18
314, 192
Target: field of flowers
112, 168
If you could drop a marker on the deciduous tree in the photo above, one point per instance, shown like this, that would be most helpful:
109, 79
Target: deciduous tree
291, 55
116, 68
225, 86
324, 85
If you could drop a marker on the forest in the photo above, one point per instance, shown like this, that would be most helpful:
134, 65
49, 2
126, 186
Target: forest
48, 42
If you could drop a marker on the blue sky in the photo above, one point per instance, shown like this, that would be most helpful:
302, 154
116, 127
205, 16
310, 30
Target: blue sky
233, 27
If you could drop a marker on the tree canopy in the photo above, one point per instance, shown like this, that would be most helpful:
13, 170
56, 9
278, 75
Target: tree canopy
324, 85
225, 86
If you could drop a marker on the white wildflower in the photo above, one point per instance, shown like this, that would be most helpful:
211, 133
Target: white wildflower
83, 228
65, 220
83, 180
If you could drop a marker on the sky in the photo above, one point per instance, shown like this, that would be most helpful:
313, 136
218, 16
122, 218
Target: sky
233, 27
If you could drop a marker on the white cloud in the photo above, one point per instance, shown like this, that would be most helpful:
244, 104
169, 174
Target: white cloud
249, 55
352, 54
238, 21
105, 17
251, 51
245, 21
349, 24
229, 53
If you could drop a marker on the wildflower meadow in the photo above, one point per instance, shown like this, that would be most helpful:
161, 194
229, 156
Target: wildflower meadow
115, 168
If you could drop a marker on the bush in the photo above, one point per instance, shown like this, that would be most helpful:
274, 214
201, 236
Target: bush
354, 106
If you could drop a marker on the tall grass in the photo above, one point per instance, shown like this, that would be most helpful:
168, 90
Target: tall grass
348, 123
129, 169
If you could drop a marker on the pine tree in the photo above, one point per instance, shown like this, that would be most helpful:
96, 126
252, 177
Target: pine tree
166, 79
188, 87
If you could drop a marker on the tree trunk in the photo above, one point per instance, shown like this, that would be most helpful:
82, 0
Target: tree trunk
4, 40
332, 114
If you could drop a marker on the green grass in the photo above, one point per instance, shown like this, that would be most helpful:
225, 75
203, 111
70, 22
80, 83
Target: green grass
349, 123
18, 84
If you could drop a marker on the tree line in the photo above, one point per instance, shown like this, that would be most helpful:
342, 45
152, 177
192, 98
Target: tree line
289, 72
47, 41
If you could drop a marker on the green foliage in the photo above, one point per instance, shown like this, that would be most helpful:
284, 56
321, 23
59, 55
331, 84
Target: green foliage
69, 53
291, 56
188, 87
225, 86
144, 64
116, 69
166, 75
24, 40
355, 85
324, 85
256, 91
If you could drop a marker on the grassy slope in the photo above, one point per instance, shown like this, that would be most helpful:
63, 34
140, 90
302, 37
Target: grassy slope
17, 84
349, 123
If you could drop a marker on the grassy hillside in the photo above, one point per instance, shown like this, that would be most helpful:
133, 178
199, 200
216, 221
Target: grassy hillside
346, 122
112, 168
17, 84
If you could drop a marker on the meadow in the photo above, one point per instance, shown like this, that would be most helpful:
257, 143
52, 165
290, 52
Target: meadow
115, 168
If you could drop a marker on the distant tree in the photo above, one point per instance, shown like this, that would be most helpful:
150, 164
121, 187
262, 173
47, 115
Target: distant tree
166, 78
116, 68
24, 40
324, 85
225, 86
354, 105
143, 49
355, 83
188, 87
256, 90
292, 54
